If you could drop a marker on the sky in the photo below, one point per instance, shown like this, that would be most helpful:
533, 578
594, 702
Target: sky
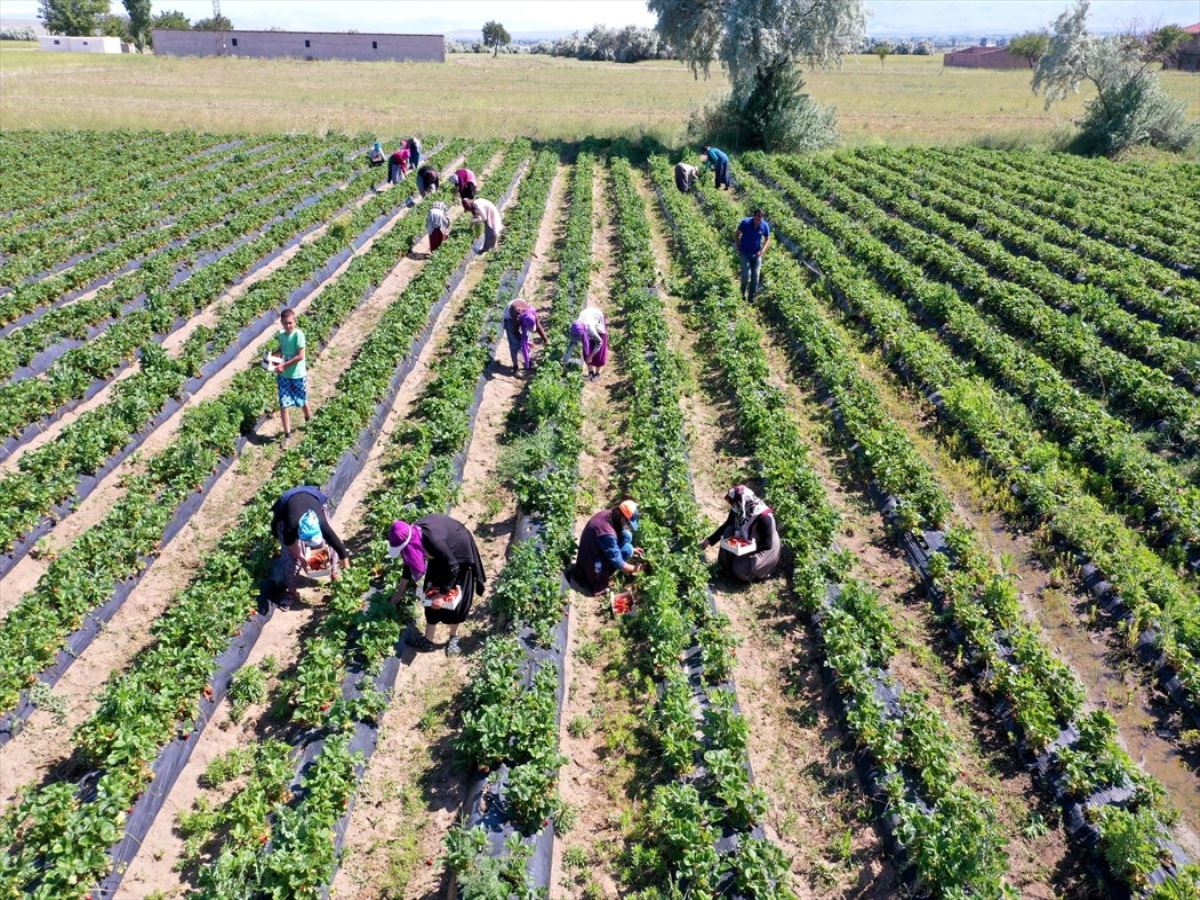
889, 18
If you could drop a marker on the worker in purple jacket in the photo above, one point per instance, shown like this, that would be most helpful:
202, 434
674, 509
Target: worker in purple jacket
605, 548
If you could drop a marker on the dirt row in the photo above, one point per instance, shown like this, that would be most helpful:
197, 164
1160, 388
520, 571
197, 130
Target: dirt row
25, 574
426, 681
46, 739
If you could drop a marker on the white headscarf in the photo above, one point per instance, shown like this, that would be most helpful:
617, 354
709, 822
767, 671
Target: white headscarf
746, 508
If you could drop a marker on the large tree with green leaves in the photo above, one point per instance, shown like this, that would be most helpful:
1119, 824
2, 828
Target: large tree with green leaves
756, 42
1030, 46
75, 18
172, 19
139, 22
1130, 106
1163, 43
214, 23
495, 36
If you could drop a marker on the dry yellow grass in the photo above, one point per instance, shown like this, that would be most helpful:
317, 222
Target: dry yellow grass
906, 100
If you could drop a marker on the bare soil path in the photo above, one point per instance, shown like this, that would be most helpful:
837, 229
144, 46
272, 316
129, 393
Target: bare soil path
413, 790
46, 737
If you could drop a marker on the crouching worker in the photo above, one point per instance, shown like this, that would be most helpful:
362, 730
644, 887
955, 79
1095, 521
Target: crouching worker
685, 176
375, 157
605, 548
440, 555
307, 541
750, 547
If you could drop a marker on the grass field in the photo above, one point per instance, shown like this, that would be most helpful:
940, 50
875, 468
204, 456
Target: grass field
905, 101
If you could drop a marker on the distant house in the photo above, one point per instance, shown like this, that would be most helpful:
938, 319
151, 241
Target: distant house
302, 45
58, 43
1187, 57
984, 58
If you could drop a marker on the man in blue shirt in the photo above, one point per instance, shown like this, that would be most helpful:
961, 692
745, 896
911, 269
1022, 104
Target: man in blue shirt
752, 237
718, 161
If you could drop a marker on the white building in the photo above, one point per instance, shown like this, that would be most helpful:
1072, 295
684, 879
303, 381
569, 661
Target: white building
57, 43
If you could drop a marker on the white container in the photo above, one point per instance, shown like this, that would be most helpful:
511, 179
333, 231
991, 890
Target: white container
739, 547
270, 361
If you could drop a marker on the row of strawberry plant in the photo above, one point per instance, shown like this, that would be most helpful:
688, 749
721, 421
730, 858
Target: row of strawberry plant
1133, 202
1147, 288
1090, 307
1075, 754
61, 239
1143, 393
80, 370
1043, 480
238, 221
34, 188
421, 476
156, 697
700, 832
113, 552
1153, 491
1044, 197
51, 475
510, 730
947, 831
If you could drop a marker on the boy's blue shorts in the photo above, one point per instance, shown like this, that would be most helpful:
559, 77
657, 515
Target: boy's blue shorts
293, 391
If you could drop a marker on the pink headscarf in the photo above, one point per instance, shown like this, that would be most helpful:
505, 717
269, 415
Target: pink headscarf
405, 541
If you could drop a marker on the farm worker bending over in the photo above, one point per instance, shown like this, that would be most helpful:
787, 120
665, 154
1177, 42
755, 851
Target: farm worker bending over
428, 180
441, 553
301, 525
485, 213
591, 332
718, 161
398, 165
605, 548
291, 374
437, 223
464, 182
375, 155
520, 323
685, 176
752, 237
414, 152
750, 523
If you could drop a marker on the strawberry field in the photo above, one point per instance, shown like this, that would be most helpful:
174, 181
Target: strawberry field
969, 390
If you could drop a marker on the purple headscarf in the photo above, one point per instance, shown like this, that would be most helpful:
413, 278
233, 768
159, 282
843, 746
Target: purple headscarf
525, 327
405, 541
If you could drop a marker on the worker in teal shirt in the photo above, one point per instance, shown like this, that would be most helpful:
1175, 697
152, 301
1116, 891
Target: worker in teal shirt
291, 373
718, 161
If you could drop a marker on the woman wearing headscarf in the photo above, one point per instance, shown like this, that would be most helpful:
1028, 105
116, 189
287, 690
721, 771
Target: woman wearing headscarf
414, 152
750, 524
300, 523
398, 164
428, 180
605, 548
375, 156
464, 181
591, 332
439, 553
520, 324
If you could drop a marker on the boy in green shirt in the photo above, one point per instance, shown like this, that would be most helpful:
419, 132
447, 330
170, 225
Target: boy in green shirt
291, 374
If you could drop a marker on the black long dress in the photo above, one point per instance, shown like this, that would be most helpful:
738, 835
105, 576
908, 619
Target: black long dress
451, 559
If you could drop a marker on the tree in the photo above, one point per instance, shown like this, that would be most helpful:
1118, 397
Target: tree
139, 22
171, 19
74, 18
214, 23
1030, 46
1130, 106
495, 36
115, 26
1164, 43
757, 41
883, 51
